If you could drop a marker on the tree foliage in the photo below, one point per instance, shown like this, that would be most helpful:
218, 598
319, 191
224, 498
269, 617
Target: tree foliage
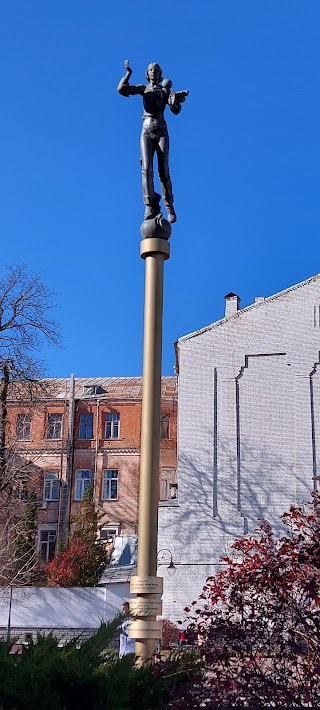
170, 634
82, 562
259, 620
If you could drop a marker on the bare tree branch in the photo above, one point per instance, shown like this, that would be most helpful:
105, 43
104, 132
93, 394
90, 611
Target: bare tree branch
25, 326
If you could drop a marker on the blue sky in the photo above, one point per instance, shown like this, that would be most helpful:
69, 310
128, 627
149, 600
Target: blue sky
244, 161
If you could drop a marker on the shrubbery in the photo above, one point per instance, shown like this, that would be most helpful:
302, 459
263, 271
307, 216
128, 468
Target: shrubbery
259, 623
170, 634
259, 620
50, 678
82, 562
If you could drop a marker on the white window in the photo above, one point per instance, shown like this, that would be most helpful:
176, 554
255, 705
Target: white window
83, 482
108, 532
113, 425
47, 544
166, 482
110, 484
51, 486
54, 426
23, 426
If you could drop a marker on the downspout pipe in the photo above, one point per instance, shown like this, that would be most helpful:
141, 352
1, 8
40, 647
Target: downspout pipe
70, 453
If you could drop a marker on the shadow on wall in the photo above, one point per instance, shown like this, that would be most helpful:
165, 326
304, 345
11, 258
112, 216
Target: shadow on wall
232, 492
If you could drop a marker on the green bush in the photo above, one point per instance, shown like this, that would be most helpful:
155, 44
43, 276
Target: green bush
47, 677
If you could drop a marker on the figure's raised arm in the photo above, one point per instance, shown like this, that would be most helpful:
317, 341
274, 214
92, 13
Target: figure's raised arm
124, 87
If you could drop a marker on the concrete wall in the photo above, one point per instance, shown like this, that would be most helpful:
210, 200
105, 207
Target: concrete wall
66, 611
249, 431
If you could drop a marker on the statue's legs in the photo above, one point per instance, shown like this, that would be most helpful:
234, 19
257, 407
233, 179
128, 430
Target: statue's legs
162, 149
150, 197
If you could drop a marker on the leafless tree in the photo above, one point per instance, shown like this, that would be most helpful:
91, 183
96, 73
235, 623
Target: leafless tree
25, 326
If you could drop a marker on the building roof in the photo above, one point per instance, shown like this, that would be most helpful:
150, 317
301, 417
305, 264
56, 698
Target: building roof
257, 304
109, 388
116, 388
121, 387
117, 573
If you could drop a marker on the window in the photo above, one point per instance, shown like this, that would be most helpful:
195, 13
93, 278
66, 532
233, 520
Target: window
110, 485
20, 484
20, 493
23, 426
108, 533
86, 426
90, 390
83, 482
112, 425
164, 426
51, 486
47, 544
54, 429
166, 483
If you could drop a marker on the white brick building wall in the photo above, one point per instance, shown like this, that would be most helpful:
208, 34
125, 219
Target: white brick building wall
249, 431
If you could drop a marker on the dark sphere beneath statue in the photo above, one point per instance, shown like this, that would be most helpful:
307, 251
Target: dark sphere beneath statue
158, 227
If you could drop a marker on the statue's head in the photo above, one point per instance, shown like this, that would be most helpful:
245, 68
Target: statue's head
154, 72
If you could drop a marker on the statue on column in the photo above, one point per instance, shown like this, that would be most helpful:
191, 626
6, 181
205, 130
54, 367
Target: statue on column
156, 95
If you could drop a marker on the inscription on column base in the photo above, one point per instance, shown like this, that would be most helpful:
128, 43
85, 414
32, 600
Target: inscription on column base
145, 607
145, 629
146, 585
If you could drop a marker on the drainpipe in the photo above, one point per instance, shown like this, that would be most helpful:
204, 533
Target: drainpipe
61, 504
9, 615
96, 451
70, 452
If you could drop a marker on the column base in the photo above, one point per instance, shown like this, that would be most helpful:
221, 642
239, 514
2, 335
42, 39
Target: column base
154, 246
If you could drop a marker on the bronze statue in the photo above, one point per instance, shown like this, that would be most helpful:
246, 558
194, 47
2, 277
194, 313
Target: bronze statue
154, 135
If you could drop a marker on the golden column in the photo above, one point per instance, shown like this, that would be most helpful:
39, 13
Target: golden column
145, 629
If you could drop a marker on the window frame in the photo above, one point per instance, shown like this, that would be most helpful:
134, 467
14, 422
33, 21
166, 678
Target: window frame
51, 426
164, 417
22, 417
112, 419
20, 493
87, 425
112, 535
51, 476
167, 478
49, 530
108, 480
82, 480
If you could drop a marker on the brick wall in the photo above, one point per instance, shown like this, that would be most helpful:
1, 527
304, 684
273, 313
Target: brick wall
71, 453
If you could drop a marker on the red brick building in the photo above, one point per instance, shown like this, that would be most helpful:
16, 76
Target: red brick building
87, 431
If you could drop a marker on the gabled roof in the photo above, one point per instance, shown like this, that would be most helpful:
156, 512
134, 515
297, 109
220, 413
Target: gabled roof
257, 304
